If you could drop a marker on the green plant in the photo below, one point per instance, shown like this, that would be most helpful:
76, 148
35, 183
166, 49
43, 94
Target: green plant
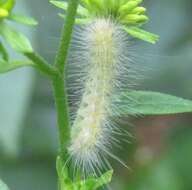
130, 17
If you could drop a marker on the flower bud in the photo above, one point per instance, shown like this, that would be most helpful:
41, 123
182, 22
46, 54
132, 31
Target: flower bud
3, 13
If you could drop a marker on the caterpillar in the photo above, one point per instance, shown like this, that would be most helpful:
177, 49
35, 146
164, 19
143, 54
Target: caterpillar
100, 67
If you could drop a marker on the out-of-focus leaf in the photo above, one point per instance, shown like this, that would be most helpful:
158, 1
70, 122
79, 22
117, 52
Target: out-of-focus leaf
3, 52
151, 103
9, 66
142, 34
16, 39
23, 19
8, 4
60, 4
3, 186
16, 89
63, 5
3, 13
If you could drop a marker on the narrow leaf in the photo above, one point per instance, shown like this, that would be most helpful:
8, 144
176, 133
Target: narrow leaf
151, 103
6, 67
60, 4
64, 180
3, 52
16, 39
104, 179
81, 11
23, 19
142, 34
95, 183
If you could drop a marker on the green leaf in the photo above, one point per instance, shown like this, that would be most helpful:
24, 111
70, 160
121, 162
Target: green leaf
7, 4
3, 52
64, 180
3, 186
151, 103
104, 179
60, 4
95, 183
23, 19
63, 5
91, 183
3, 13
142, 34
16, 39
6, 66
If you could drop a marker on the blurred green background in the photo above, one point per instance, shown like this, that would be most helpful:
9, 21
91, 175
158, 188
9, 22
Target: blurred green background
160, 153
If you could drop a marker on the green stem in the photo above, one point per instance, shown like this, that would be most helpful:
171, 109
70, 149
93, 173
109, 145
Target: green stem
59, 86
62, 115
58, 79
66, 35
42, 64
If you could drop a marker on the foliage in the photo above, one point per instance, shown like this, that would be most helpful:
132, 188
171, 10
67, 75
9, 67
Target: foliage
128, 13
151, 103
91, 183
145, 103
17, 40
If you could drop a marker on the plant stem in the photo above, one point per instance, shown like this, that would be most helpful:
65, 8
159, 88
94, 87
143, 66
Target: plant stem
59, 86
42, 65
66, 35
62, 115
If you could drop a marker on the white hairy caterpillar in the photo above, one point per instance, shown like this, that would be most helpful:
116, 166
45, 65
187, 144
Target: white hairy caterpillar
99, 68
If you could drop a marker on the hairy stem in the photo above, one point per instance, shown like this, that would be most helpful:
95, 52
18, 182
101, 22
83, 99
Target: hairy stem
59, 82
66, 35
62, 115
56, 73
